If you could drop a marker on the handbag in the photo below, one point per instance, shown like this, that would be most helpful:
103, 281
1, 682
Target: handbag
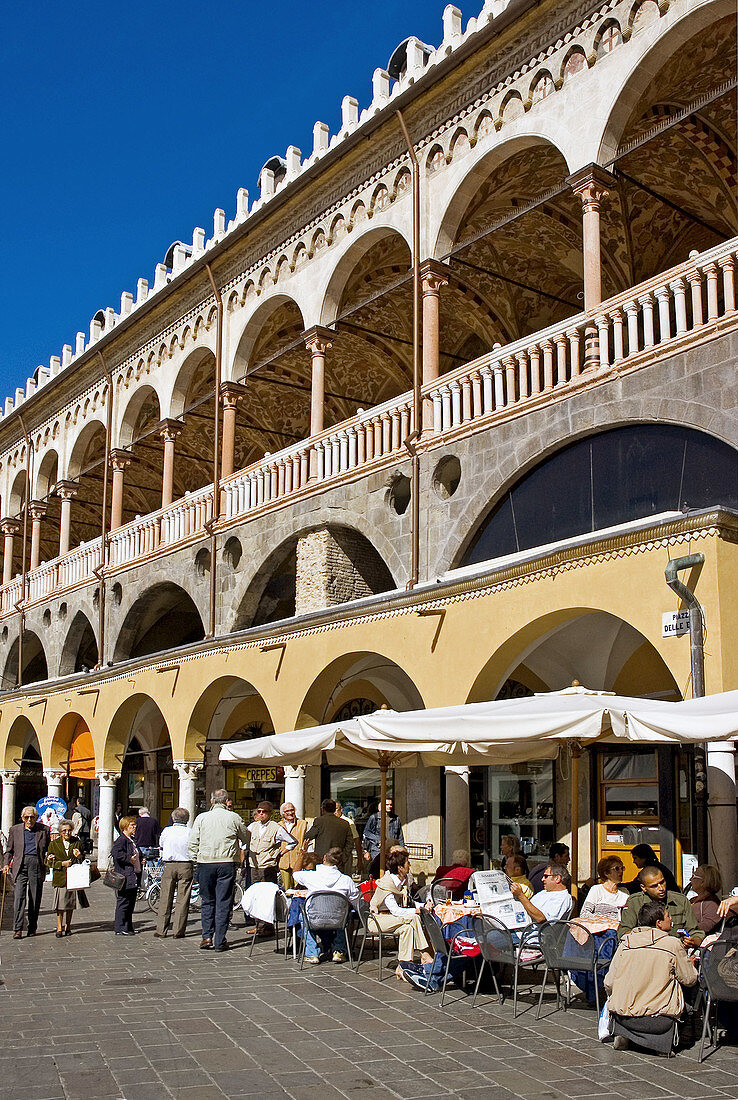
78, 876
115, 880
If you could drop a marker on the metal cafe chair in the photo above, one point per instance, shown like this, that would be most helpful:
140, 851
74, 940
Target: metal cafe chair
567, 945
440, 890
281, 915
441, 946
719, 975
370, 929
325, 911
497, 944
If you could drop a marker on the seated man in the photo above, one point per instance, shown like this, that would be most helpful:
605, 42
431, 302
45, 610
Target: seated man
645, 979
327, 876
553, 902
653, 888
515, 871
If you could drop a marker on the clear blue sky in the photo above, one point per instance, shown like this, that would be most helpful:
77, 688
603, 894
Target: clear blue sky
126, 125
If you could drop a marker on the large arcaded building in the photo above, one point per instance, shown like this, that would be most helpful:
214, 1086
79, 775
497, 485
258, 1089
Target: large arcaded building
578, 429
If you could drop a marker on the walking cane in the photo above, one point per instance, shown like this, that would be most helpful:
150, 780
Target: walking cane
2, 903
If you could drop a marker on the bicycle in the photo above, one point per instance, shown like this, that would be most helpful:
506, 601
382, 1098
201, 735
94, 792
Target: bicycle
151, 873
153, 893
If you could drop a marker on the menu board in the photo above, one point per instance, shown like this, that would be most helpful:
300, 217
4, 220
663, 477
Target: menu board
496, 899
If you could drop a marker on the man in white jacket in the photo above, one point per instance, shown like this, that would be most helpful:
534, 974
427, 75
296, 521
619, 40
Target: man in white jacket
327, 876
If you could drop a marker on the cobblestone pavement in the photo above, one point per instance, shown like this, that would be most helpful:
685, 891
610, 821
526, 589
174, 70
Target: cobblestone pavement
101, 1016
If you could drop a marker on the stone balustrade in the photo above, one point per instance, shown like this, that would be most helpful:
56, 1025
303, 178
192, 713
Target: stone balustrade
668, 308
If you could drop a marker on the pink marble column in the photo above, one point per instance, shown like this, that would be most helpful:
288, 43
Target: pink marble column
66, 491
318, 340
119, 460
230, 394
168, 430
9, 528
37, 511
591, 184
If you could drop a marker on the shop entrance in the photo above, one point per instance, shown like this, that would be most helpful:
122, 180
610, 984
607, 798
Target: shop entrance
643, 798
515, 799
250, 786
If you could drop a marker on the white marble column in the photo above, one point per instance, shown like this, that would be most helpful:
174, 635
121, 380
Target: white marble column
188, 770
106, 817
294, 788
457, 811
54, 781
722, 815
8, 776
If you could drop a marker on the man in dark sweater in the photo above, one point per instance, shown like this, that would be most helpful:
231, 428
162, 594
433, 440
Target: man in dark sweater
329, 831
148, 831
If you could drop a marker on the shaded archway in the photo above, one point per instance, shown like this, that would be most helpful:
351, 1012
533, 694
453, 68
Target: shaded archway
140, 436
365, 675
24, 753
192, 408
46, 479
73, 752
138, 745
79, 653
34, 668
163, 617
86, 467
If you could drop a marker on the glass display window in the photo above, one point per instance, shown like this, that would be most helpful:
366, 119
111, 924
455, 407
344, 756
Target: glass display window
358, 790
514, 799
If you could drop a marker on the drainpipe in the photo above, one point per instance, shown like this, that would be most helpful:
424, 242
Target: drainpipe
210, 527
99, 572
697, 657
414, 435
21, 603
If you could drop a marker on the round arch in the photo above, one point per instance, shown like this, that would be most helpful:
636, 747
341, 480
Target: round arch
139, 717
20, 735
17, 496
595, 647
254, 327
161, 617
190, 367
47, 475
354, 251
79, 652
228, 707
35, 666
363, 674
85, 445
70, 727
142, 407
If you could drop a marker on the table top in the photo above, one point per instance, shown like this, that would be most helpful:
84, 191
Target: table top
449, 911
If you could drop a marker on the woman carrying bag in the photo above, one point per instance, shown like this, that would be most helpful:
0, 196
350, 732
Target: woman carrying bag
127, 862
63, 851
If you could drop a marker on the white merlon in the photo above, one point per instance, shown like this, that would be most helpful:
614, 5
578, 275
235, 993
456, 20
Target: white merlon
79, 343
30, 386
181, 255
242, 204
266, 184
126, 303
415, 58
160, 277
218, 224
321, 138
95, 330
8, 405
54, 366
19, 396
109, 318
451, 24
380, 86
492, 8
349, 112
142, 291
66, 356
198, 241
294, 161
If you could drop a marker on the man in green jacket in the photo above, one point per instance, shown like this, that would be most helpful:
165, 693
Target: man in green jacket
653, 888
215, 848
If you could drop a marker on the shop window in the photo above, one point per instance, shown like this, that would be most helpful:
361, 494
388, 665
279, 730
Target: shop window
512, 799
357, 789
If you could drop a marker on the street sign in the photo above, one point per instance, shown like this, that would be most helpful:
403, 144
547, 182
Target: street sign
674, 623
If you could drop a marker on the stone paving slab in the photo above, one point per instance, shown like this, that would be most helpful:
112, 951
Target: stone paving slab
95, 1015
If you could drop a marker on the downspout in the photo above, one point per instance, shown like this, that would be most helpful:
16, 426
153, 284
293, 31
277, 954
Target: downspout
104, 543
697, 658
21, 603
414, 435
210, 526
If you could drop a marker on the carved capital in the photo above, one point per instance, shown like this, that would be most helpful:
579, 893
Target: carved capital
188, 769
120, 458
9, 775
592, 184
169, 429
433, 275
297, 772
67, 490
231, 393
54, 775
37, 509
9, 526
318, 339
107, 778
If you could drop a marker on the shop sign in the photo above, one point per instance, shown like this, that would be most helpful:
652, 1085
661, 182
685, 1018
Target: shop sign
674, 623
262, 777
51, 809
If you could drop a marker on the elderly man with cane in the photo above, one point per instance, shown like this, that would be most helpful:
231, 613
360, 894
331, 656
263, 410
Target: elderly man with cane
25, 862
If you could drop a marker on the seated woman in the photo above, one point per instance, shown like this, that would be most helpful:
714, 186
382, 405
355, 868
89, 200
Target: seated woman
606, 898
390, 907
62, 852
707, 884
456, 874
516, 869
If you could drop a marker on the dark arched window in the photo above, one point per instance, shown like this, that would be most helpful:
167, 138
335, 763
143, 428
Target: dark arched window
615, 477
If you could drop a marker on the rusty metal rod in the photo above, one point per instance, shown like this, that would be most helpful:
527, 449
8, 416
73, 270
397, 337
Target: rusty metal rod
216, 451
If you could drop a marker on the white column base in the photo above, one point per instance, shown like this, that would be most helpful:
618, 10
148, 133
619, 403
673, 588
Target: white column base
294, 788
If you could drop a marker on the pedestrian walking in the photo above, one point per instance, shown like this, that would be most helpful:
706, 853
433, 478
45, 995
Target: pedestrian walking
126, 860
24, 861
215, 847
64, 851
178, 873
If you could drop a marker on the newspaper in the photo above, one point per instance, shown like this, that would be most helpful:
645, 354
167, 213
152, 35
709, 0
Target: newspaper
496, 899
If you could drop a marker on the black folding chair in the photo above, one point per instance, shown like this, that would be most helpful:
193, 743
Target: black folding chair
441, 946
719, 976
567, 945
281, 915
440, 890
497, 944
369, 929
325, 911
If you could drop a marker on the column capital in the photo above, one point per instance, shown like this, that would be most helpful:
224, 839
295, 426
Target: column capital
67, 490
433, 275
9, 526
318, 339
591, 183
231, 393
463, 771
9, 775
54, 775
37, 509
188, 769
169, 429
120, 458
297, 772
107, 778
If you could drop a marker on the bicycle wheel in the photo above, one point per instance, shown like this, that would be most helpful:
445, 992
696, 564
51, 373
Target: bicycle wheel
237, 895
152, 896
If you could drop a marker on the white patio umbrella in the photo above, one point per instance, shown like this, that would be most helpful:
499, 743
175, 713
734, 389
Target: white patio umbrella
503, 731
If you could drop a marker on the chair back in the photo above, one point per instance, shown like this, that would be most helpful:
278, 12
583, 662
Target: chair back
440, 890
326, 911
281, 907
566, 945
720, 970
362, 909
495, 940
433, 932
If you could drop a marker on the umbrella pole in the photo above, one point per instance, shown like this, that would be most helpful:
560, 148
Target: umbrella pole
382, 816
576, 752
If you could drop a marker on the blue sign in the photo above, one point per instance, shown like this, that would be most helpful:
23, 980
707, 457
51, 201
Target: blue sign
52, 804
